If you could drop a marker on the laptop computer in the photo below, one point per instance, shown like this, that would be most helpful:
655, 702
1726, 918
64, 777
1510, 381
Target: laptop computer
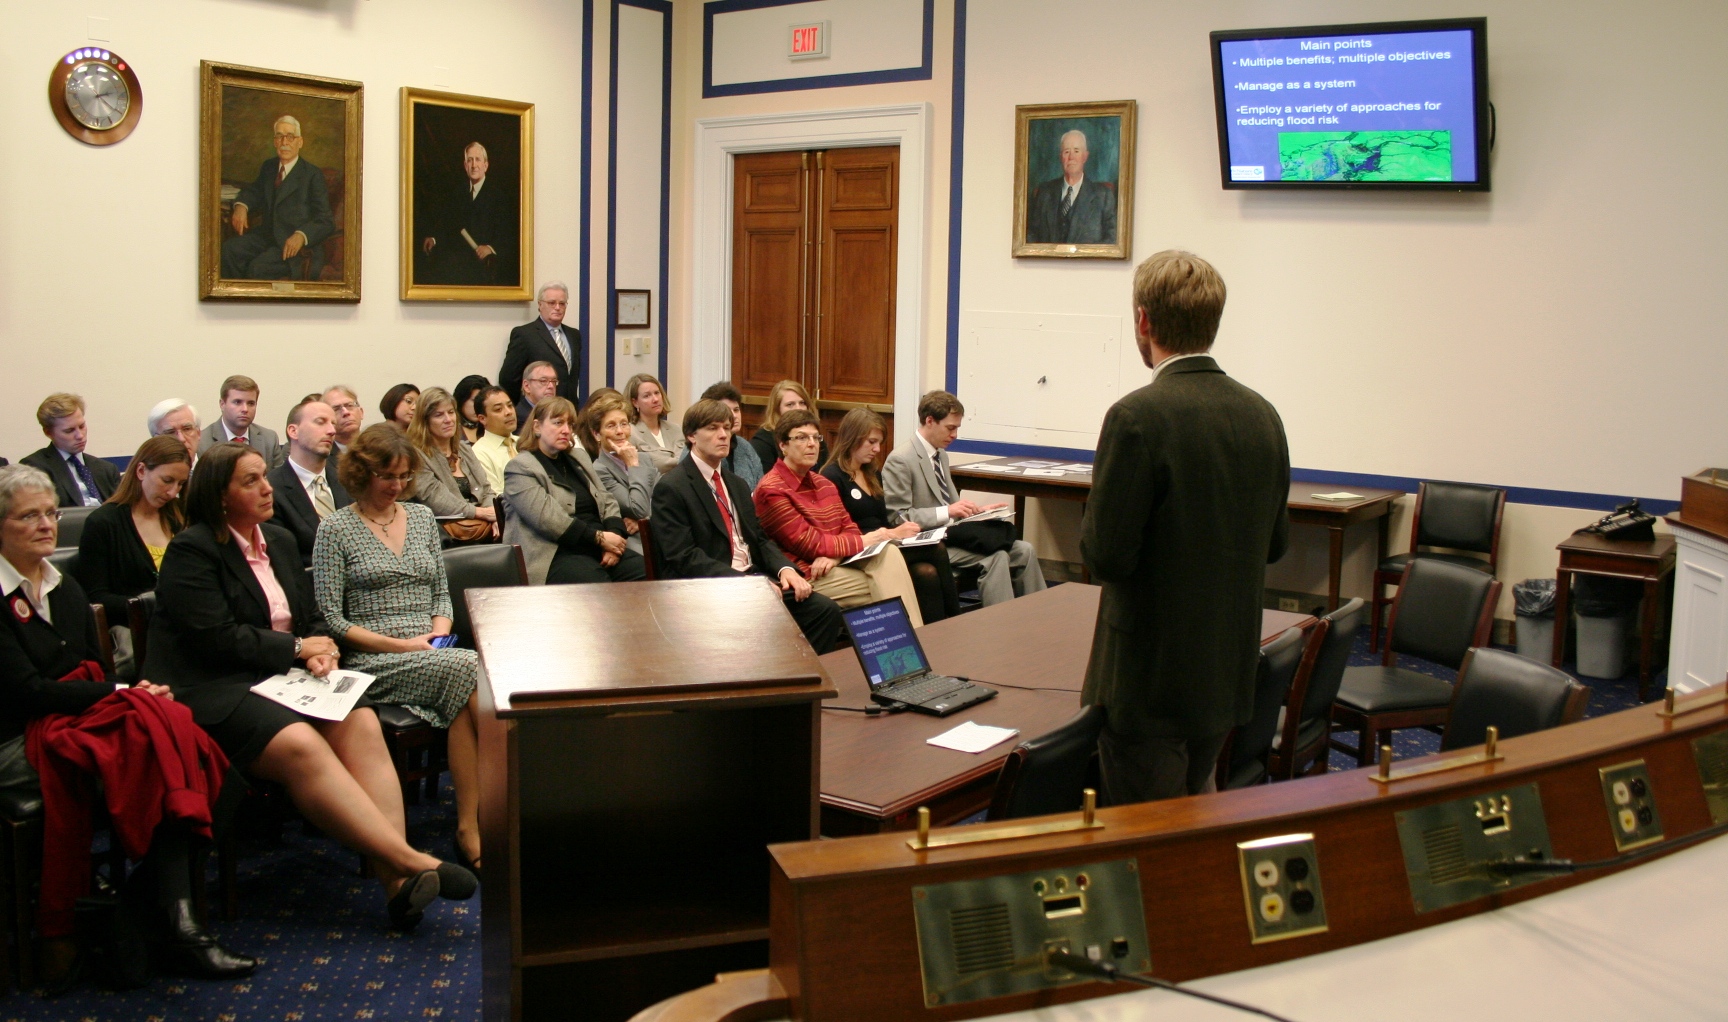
896, 667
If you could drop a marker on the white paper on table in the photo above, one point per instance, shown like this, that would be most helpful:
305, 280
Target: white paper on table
327, 698
867, 553
1078, 466
1039, 464
1044, 472
928, 538
992, 468
1340, 495
972, 737
988, 516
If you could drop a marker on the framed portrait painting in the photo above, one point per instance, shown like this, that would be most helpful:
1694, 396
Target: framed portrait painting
1074, 180
467, 198
278, 185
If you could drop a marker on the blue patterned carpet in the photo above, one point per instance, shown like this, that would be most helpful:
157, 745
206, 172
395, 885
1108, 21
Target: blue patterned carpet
327, 951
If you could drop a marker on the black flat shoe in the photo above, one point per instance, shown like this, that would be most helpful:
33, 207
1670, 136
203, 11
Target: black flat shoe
188, 949
456, 883
462, 859
409, 903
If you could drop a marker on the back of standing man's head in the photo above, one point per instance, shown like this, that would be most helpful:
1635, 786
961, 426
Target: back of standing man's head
1183, 297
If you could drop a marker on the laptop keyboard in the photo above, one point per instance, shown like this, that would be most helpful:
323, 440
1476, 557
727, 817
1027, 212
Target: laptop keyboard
924, 689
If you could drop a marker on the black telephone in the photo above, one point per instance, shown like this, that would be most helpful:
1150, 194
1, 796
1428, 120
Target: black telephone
1627, 522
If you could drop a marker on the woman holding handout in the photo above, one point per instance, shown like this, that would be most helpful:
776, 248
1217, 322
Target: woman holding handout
380, 579
800, 510
852, 470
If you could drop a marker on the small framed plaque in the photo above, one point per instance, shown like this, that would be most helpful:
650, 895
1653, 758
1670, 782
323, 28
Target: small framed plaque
631, 308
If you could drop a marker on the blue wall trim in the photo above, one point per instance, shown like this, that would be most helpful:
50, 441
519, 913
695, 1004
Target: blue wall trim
664, 9
586, 189
899, 74
1514, 494
956, 169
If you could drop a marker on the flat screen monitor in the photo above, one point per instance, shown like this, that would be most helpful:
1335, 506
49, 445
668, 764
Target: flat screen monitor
1394, 105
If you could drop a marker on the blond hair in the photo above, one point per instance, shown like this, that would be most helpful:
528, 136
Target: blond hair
57, 406
1183, 297
771, 416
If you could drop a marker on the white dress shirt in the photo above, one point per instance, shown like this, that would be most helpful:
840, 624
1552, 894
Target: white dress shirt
312, 482
89, 499
740, 549
1173, 358
933, 456
1070, 192
11, 581
563, 344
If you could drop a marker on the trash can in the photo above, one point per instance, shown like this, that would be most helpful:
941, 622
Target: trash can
1534, 600
1605, 609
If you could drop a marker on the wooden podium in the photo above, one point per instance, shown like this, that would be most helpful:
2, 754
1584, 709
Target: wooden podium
641, 744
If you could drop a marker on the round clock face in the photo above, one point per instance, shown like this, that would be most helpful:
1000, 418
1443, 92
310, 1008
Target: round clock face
97, 96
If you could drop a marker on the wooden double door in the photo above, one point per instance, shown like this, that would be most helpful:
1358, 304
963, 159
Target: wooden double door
814, 242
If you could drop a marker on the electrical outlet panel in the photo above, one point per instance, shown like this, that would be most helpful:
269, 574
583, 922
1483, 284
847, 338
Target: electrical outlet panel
1281, 885
1448, 845
988, 937
1711, 751
1632, 812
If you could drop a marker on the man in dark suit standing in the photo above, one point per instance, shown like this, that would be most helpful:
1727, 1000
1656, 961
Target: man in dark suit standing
1188, 507
547, 339
705, 526
305, 483
79, 481
471, 233
1073, 209
291, 196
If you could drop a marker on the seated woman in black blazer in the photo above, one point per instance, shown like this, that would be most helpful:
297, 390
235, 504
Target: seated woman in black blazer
124, 539
852, 467
46, 634
783, 397
234, 607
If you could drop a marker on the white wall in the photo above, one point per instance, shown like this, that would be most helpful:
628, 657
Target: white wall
640, 96
99, 251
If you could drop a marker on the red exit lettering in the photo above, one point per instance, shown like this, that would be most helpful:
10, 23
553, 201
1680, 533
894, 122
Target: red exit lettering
804, 40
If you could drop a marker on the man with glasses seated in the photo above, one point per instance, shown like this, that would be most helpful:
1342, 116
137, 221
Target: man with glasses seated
349, 415
178, 419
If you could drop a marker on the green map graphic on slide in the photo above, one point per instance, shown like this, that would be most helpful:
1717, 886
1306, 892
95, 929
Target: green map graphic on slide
1365, 155
896, 662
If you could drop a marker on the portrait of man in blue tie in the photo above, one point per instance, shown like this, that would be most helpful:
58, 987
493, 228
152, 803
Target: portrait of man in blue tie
1074, 172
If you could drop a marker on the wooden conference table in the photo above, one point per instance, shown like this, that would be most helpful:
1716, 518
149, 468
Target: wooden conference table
877, 771
1059, 480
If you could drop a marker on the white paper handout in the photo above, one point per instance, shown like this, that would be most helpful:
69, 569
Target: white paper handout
1340, 495
868, 552
992, 468
327, 698
972, 737
1045, 472
926, 538
991, 515
1039, 464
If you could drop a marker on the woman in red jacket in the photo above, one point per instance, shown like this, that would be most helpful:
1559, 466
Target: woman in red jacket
801, 511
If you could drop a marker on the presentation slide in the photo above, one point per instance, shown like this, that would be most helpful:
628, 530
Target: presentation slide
884, 638
1393, 107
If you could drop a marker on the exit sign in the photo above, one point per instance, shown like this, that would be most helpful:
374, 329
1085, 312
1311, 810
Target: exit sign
809, 41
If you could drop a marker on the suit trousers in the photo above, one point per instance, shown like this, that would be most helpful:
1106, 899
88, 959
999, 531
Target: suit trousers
1137, 768
879, 578
1006, 573
569, 567
818, 618
254, 256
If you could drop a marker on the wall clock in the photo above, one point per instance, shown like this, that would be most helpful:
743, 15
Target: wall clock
95, 95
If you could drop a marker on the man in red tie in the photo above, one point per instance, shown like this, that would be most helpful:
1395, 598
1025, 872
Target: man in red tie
239, 408
282, 214
705, 526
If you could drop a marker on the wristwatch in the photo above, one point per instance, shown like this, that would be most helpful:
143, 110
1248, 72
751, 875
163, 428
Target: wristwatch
296, 648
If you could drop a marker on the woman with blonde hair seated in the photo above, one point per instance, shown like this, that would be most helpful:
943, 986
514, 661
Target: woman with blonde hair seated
566, 522
660, 444
783, 397
234, 607
801, 511
622, 469
852, 469
451, 480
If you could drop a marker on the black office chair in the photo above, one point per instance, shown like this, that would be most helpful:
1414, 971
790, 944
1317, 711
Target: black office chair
1513, 693
650, 553
1050, 774
72, 525
481, 566
140, 610
1453, 516
64, 559
1243, 762
1442, 610
1304, 739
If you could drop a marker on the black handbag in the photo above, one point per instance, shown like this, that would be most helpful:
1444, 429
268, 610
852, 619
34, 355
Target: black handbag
982, 538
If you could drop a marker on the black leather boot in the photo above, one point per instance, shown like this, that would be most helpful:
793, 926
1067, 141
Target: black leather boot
187, 948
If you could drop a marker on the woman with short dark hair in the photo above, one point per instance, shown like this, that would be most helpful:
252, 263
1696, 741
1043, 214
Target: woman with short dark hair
398, 404
234, 607
467, 393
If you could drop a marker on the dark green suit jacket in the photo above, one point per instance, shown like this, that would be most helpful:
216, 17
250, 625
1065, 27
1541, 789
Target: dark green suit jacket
1188, 507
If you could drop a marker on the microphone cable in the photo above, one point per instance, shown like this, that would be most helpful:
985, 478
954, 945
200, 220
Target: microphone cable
1108, 972
1513, 867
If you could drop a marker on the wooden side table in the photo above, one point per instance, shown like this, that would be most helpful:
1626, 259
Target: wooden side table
1645, 561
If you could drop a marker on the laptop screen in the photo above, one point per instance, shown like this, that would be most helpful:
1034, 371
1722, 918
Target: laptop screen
887, 648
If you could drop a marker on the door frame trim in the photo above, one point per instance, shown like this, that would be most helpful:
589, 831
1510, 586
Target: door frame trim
719, 138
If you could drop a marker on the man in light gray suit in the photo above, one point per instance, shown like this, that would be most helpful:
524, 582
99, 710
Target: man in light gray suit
916, 482
239, 406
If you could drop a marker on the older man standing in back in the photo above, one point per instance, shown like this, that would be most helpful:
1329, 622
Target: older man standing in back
1188, 506
546, 339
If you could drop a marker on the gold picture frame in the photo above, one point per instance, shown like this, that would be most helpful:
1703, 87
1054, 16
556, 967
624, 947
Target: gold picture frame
304, 228
1097, 222
464, 240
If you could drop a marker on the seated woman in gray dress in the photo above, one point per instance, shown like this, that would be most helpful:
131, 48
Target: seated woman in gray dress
655, 438
379, 574
626, 474
451, 481
567, 524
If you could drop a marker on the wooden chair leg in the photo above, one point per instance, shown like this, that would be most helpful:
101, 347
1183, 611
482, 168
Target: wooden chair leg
1368, 741
23, 918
